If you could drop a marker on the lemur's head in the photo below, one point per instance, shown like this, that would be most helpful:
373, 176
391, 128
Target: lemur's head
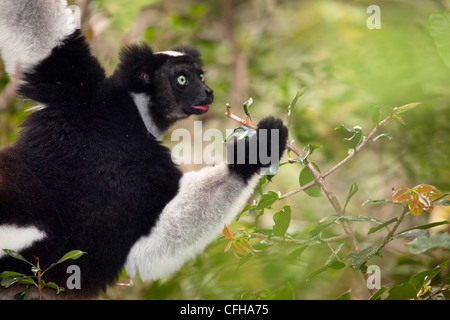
166, 86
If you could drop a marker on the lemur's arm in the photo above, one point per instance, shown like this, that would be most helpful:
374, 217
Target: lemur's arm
40, 40
207, 199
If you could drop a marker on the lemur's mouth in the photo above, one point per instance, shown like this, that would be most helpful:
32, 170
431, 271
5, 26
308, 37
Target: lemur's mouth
201, 109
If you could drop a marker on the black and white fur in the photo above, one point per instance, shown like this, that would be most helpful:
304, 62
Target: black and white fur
88, 171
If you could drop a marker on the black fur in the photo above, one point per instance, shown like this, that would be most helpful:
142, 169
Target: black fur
85, 169
248, 169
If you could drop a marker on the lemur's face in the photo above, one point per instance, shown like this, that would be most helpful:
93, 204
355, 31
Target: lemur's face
179, 88
166, 86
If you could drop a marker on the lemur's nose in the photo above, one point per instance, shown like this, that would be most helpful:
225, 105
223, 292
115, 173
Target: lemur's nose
209, 91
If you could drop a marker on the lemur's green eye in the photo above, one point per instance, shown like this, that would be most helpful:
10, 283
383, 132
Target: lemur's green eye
182, 80
202, 77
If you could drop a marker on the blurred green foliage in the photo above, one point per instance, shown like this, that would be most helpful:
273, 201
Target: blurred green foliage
269, 50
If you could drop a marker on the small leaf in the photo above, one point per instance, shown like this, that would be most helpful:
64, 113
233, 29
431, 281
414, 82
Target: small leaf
282, 220
358, 259
228, 246
413, 234
426, 226
381, 226
54, 286
305, 177
376, 115
355, 138
17, 256
227, 233
292, 105
20, 295
345, 296
401, 195
353, 190
383, 135
406, 107
376, 201
404, 291
71, 255
267, 200
423, 244
377, 294
247, 105
307, 151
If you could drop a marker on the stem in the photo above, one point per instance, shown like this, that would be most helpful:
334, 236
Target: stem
364, 142
319, 179
391, 233
39, 284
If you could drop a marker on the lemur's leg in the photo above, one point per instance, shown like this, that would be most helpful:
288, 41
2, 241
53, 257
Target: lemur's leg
206, 200
30, 29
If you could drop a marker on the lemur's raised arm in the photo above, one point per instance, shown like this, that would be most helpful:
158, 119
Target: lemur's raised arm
88, 171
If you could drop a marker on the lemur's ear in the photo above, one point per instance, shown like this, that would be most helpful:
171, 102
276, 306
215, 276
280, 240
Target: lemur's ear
145, 77
135, 67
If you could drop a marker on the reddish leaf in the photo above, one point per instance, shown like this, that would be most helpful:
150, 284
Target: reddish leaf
401, 195
227, 233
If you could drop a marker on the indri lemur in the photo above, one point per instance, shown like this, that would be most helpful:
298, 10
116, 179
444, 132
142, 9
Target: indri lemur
88, 171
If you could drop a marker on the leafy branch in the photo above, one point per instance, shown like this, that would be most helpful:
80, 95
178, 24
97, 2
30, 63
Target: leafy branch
313, 182
8, 278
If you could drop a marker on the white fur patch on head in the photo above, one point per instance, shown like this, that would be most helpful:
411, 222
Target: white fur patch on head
142, 102
18, 238
171, 53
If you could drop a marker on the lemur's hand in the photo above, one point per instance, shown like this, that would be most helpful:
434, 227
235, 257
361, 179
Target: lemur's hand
247, 157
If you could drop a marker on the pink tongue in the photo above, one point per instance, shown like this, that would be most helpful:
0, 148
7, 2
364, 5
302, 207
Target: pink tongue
203, 108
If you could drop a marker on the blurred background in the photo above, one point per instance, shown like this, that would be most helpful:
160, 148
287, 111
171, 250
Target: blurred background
269, 50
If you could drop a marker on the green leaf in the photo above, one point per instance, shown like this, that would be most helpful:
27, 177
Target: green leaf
307, 151
72, 255
355, 138
420, 279
321, 227
439, 27
383, 135
377, 294
292, 106
247, 105
20, 295
54, 286
406, 107
381, 226
423, 244
9, 281
334, 264
360, 258
16, 255
376, 115
375, 201
282, 220
360, 219
5, 274
267, 200
353, 190
305, 177
345, 296
425, 226
404, 291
